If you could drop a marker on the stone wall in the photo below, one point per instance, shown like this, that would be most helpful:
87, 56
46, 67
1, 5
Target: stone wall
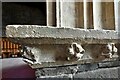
88, 71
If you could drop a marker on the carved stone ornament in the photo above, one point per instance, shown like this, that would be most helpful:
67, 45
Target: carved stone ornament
57, 46
69, 52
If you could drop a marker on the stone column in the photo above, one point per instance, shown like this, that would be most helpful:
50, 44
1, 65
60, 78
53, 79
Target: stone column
58, 13
97, 14
117, 13
51, 18
1, 20
68, 14
0, 47
86, 14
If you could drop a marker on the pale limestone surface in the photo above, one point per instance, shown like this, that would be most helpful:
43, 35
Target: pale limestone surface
34, 34
51, 45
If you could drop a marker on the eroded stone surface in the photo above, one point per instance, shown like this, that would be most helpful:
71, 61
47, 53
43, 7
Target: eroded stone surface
89, 70
34, 34
109, 64
53, 53
100, 51
101, 73
63, 45
68, 53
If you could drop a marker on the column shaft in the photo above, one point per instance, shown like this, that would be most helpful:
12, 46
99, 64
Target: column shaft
117, 13
51, 14
97, 14
86, 14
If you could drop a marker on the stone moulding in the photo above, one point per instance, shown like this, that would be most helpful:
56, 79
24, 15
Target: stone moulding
34, 34
52, 46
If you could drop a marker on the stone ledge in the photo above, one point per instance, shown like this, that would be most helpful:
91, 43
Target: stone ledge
82, 64
34, 34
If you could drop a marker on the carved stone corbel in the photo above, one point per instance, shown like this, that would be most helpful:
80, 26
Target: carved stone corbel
53, 46
75, 51
110, 51
53, 53
100, 51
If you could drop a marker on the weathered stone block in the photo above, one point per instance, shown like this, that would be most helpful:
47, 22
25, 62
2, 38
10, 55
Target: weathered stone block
84, 72
87, 67
100, 73
57, 77
52, 45
109, 64
56, 70
34, 34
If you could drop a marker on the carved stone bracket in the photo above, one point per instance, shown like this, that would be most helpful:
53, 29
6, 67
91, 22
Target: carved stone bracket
46, 53
101, 51
48, 46
53, 53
